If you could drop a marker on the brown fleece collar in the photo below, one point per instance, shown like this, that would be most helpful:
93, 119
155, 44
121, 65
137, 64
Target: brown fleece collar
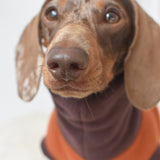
106, 121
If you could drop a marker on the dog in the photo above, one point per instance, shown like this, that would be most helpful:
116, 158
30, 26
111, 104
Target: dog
101, 66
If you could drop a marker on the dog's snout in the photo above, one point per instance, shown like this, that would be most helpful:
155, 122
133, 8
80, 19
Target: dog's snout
67, 63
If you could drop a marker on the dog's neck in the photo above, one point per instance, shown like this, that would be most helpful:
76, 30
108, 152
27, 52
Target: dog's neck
106, 122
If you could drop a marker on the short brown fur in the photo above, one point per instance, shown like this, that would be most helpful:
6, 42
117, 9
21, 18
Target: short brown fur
103, 61
108, 46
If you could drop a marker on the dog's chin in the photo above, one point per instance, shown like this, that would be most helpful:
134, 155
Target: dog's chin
78, 91
68, 92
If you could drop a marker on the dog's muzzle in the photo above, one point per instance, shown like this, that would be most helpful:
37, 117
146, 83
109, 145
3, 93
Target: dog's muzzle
67, 63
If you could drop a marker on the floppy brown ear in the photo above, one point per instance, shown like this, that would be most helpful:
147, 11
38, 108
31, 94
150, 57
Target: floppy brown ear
29, 59
142, 65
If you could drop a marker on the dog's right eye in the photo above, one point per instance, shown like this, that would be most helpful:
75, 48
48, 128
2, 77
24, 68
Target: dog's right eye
111, 17
51, 14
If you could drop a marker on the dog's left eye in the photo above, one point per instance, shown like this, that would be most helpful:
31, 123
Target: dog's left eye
112, 17
51, 14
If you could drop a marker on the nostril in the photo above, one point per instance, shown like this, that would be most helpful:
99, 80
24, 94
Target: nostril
53, 65
75, 66
67, 63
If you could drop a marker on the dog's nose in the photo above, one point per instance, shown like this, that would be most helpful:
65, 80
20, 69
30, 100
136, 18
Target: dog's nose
67, 63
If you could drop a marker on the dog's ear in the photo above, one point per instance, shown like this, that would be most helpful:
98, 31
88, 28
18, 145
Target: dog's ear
29, 59
142, 65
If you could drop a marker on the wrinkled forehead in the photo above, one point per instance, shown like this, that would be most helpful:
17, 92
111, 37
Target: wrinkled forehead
92, 4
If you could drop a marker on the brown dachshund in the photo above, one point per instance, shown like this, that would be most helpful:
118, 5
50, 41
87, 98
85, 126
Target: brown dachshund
102, 69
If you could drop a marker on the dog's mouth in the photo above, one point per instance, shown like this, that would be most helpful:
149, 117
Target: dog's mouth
70, 91
67, 86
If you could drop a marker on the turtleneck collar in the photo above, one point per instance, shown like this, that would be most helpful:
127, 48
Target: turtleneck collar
106, 121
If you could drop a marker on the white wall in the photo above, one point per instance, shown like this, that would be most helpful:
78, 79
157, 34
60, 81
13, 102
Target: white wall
14, 15
152, 7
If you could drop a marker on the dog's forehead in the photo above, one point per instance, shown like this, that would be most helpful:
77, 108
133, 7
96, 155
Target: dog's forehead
99, 4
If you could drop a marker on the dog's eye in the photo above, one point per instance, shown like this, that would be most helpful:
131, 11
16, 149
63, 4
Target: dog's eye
111, 17
51, 14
